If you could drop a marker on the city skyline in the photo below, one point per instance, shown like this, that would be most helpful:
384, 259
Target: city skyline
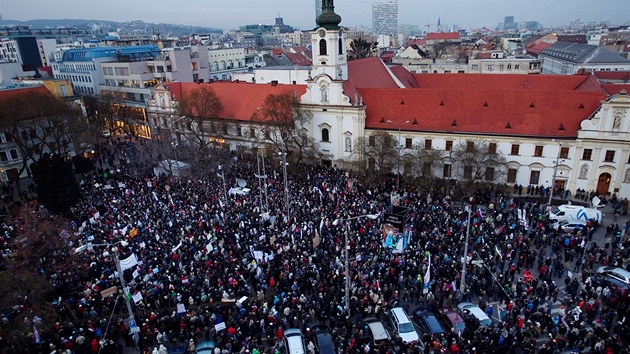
354, 13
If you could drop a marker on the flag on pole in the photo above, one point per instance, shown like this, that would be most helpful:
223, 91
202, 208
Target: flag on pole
427, 277
479, 213
128, 262
496, 249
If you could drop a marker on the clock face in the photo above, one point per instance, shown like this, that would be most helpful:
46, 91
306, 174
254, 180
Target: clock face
322, 33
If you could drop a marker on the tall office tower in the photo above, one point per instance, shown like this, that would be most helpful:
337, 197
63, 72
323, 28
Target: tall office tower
385, 17
508, 23
318, 8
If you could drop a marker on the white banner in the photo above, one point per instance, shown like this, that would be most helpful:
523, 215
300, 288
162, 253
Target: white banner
128, 262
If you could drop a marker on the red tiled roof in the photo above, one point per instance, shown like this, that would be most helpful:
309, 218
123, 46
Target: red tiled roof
298, 59
613, 89
277, 51
404, 76
537, 48
8, 93
500, 81
240, 100
417, 41
506, 109
613, 75
442, 35
368, 72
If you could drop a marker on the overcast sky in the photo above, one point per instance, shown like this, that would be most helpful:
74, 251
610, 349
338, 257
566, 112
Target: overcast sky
301, 13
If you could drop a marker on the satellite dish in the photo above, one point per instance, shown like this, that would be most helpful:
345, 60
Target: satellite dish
241, 182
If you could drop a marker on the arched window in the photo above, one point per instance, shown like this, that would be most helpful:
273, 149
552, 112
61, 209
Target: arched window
340, 47
325, 135
322, 47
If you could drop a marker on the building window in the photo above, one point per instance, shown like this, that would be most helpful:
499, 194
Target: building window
325, 135
449, 145
514, 150
492, 148
610, 156
14, 154
534, 177
474, 67
371, 141
511, 175
340, 44
446, 171
489, 173
538, 151
564, 153
470, 146
371, 164
408, 143
587, 154
3, 156
322, 47
252, 132
428, 145
426, 169
468, 172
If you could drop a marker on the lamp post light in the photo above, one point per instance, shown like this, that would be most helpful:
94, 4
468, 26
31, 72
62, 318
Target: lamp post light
347, 264
399, 147
555, 171
462, 281
133, 327
220, 167
174, 141
283, 154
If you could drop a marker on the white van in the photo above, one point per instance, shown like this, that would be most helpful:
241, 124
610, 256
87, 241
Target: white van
572, 213
402, 325
293, 341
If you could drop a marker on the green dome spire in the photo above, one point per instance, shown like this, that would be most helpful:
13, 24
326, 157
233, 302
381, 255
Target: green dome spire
328, 19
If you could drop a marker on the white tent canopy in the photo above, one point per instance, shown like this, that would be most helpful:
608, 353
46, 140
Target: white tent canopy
173, 167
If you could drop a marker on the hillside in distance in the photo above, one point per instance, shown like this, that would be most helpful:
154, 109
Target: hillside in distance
105, 26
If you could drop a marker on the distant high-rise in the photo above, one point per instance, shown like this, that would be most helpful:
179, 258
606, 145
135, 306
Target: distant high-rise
508, 23
318, 8
385, 17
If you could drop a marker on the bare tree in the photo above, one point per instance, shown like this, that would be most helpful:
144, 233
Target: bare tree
477, 161
425, 165
201, 107
40, 251
375, 155
37, 123
282, 119
360, 48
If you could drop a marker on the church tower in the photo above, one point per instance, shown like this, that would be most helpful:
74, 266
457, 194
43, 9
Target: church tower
330, 60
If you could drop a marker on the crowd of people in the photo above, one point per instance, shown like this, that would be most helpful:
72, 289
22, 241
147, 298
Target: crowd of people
241, 270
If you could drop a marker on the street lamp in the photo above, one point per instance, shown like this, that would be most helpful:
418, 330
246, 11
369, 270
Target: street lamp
133, 327
220, 167
173, 141
347, 265
283, 154
399, 146
462, 281
555, 170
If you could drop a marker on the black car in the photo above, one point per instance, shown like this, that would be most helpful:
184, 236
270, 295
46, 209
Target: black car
427, 322
323, 339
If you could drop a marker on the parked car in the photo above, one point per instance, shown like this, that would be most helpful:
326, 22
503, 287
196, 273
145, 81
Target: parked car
451, 320
616, 273
376, 331
205, 347
427, 322
293, 341
469, 309
402, 325
568, 226
324, 342
605, 280
105, 133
